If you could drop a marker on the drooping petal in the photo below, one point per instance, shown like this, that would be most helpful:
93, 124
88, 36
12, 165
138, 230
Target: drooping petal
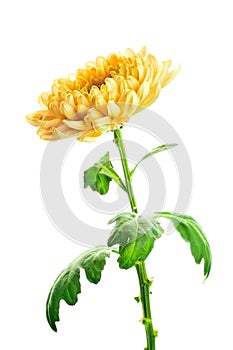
102, 124
76, 124
113, 109
64, 132
94, 114
89, 136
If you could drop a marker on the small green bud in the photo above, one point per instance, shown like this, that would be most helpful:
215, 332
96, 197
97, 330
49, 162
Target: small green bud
138, 299
146, 321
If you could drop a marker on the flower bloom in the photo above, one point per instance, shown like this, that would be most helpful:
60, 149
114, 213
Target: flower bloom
100, 97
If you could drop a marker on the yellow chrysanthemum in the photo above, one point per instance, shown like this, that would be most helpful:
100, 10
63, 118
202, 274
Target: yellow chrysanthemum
101, 97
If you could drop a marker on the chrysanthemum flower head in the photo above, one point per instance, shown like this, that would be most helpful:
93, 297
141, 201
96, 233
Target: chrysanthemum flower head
100, 97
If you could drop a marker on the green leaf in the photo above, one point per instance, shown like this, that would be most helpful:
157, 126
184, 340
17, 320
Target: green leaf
95, 179
137, 250
136, 235
192, 233
67, 286
99, 175
152, 152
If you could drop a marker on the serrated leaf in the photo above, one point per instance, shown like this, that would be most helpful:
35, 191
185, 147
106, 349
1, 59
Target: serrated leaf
192, 233
136, 235
134, 251
95, 179
67, 286
153, 152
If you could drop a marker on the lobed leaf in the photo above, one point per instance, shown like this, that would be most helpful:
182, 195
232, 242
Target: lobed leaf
136, 235
97, 180
192, 233
67, 286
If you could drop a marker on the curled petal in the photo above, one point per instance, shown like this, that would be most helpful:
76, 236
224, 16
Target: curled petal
133, 83
101, 104
64, 132
162, 72
54, 107
89, 136
113, 109
170, 76
43, 99
94, 114
47, 135
143, 92
36, 117
76, 124
102, 125
128, 103
153, 95
67, 109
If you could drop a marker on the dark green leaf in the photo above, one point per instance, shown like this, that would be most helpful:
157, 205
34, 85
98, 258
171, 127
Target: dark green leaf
95, 179
67, 285
192, 233
152, 152
136, 235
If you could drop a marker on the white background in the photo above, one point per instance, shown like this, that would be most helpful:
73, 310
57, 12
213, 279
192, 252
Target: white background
42, 40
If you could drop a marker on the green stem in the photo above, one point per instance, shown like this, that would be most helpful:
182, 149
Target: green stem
120, 144
144, 281
113, 175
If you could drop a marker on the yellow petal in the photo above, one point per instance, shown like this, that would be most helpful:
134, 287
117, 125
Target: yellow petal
89, 136
153, 95
133, 83
70, 100
128, 103
170, 76
36, 117
75, 124
47, 135
143, 51
129, 53
151, 61
103, 124
67, 109
43, 99
143, 91
113, 109
49, 124
93, 114
162, 72
65, 133
113, 89
124, 85
54, 107
141, 69
101, 104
